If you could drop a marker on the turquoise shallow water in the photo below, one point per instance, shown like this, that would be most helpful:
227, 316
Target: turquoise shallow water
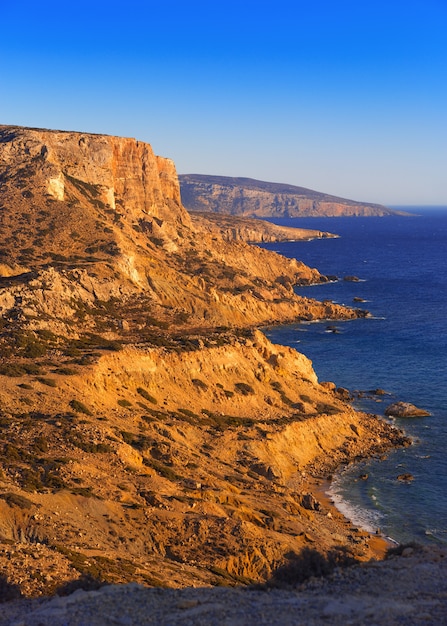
402, 266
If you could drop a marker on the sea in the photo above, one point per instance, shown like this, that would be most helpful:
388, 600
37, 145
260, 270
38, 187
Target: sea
401, 266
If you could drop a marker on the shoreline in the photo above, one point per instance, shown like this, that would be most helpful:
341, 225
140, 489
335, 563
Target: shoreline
378, 545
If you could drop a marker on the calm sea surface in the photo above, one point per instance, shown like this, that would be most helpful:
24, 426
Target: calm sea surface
402, 266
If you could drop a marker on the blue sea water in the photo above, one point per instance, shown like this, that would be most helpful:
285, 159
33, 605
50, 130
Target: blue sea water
402, 266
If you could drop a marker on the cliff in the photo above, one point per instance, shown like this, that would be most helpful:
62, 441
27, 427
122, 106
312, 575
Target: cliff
90, 217
248, 197
147, 432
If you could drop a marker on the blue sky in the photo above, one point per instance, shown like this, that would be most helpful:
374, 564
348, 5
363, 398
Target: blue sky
347, 97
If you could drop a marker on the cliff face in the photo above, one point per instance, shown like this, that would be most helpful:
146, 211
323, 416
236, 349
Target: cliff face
147, 433
97, 217
123, 171
248, 197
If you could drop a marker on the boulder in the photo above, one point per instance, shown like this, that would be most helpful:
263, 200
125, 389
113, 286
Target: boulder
310, 503
344, 394
405, 409
405, 477
351, 279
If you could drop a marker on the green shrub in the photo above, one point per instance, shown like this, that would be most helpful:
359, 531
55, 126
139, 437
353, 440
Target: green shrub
49, 382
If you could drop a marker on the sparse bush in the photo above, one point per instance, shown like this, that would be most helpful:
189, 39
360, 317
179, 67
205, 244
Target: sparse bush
65, 371
188, 412
15, 370
15, 499
200, 384
244, 389
124, 403
77, 440
79, 407
328, 409
161, 469
146, 395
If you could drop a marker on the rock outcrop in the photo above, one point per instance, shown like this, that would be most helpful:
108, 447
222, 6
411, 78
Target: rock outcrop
255, 198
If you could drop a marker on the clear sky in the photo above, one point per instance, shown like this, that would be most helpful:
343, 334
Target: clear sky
348, 97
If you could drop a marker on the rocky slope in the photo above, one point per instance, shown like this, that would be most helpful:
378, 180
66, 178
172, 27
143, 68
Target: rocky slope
248, 197
236, 228
147, 432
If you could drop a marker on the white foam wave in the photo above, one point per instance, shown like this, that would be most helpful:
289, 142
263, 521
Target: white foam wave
367, 519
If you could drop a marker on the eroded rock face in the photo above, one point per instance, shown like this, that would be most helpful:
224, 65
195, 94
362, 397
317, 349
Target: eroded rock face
248, 197
106, 211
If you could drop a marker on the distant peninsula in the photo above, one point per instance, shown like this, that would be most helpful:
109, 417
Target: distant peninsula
255, 198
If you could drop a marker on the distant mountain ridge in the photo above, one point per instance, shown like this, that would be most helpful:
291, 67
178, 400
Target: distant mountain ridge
255, 198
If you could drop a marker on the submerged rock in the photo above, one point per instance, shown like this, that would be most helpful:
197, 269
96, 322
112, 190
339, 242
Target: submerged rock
405, 409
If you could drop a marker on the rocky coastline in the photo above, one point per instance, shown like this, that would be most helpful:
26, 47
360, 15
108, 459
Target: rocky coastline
148, 432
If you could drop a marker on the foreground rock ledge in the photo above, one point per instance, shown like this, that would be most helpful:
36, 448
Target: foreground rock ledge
408, 589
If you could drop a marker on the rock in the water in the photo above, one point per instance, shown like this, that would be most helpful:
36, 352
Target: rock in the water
405, 477
405, 409
351, 279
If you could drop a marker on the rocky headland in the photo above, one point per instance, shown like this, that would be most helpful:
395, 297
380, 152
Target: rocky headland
149, 432
255, 198
236, 228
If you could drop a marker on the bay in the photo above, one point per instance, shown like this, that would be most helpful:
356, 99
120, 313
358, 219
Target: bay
401, 264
